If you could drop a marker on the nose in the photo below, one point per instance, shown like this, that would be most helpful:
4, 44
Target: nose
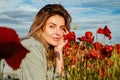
58, 31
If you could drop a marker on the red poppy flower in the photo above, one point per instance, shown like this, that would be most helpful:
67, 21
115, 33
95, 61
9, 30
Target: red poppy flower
97, 45
100, 31
67, 46
94, 53
105, 31
83, 38
10, 47
88, 34
108, 48
118, 48
74, 60
70, 37
66, 54
76, 47
90, 40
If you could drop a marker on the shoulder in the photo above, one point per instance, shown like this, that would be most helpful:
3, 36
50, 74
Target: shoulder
35, 47
32, 43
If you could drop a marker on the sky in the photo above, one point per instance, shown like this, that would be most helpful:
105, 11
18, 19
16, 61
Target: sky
87, 15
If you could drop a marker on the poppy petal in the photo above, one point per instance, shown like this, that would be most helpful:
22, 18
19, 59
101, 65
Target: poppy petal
10, 47
100, 31
19, 53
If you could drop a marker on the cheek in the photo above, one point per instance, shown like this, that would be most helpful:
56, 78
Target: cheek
47, 33
62, 33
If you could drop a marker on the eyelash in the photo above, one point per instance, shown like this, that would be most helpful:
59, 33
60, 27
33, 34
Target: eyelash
51, 26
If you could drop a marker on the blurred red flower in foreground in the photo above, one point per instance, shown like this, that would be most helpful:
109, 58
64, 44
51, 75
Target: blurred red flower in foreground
10, 47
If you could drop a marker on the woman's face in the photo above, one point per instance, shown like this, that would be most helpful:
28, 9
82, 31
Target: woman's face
53, 31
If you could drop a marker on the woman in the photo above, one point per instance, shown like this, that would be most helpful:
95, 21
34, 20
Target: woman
45, 43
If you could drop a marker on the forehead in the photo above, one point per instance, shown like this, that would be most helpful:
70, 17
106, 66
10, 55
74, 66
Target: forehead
56, 19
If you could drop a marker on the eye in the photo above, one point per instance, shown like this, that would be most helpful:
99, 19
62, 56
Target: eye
51, 26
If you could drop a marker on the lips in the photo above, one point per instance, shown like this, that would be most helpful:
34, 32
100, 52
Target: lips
56, 39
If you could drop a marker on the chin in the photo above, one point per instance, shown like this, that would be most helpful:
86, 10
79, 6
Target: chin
54, 44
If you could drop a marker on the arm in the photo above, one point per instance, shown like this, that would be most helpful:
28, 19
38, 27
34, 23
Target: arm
59, 60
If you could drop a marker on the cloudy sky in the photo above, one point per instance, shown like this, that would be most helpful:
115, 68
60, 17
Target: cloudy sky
88, 15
